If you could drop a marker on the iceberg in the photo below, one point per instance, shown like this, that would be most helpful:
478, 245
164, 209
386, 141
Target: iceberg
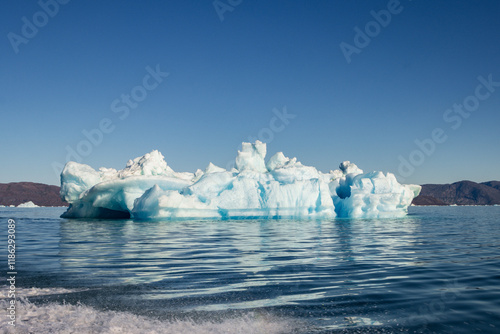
147, 188
28, 204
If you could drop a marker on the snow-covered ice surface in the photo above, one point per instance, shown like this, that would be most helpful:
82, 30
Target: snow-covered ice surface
147, 188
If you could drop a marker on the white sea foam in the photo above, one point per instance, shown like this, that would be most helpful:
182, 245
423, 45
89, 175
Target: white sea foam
66, 318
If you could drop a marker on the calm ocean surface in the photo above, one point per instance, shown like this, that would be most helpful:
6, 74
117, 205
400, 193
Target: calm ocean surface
435, 271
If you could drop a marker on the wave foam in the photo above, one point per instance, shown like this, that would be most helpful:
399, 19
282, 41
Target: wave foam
66, 318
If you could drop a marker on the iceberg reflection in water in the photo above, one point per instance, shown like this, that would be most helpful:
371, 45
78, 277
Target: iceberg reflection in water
246, 252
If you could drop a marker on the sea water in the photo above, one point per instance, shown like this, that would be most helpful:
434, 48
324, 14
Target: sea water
435, 271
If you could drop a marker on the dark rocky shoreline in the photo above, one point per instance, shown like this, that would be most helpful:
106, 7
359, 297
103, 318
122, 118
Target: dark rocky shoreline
16, 193
459, 193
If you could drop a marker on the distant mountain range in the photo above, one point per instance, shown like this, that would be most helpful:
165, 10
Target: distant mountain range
21, 192
459, 193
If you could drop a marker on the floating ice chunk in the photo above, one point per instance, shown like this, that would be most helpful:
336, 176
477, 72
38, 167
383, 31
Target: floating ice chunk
283, 188
29, 204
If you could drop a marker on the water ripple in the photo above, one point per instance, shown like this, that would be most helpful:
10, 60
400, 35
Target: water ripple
435, 270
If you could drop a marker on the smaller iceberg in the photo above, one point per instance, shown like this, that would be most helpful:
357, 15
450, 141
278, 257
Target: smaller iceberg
282, 187
29, 204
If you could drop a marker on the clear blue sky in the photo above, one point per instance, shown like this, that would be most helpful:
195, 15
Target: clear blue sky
231, 66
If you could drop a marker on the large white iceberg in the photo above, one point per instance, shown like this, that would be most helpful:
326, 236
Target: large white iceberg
147, 188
